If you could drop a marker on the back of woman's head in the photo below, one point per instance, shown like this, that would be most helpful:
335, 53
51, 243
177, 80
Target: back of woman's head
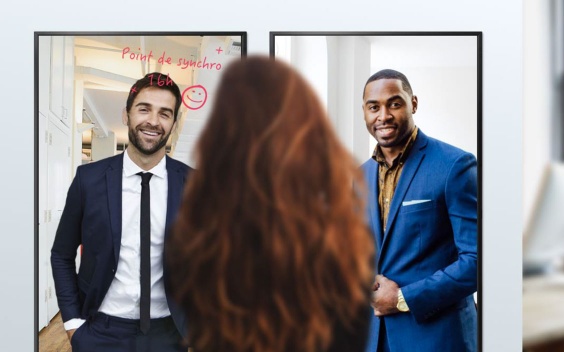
270, 250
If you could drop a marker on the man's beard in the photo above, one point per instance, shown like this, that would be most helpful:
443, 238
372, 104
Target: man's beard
136, 141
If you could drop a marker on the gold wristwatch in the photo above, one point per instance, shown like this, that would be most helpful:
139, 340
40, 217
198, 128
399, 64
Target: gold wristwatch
402, 304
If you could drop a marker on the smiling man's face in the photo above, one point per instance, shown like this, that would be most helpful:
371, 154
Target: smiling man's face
150, 120
388, 110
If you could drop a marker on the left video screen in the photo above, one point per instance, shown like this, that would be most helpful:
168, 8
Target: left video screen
82, 82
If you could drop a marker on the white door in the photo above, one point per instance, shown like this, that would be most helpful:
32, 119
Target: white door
58, 182
43, 252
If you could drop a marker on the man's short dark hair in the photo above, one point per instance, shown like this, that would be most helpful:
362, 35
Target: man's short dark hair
157, 80
390, 74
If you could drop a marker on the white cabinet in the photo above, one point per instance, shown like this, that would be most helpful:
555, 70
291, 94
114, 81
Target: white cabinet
54, 180
55, 88
61, 80
44, 74
58, 180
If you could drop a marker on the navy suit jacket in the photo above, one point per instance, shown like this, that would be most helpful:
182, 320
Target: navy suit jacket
92, 217
429, 248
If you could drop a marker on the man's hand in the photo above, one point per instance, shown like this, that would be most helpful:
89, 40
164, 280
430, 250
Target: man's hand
385, 296
70, 333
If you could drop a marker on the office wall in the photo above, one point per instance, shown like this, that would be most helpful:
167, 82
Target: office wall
500, 20
539, 99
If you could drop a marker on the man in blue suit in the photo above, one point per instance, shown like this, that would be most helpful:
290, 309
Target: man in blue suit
100, 306
422, 203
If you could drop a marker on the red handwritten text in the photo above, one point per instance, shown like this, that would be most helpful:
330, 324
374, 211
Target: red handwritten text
136, 56
184, 64
166, 81
162, 59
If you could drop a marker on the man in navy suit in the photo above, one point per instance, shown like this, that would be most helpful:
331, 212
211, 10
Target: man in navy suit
422, 204
100, 306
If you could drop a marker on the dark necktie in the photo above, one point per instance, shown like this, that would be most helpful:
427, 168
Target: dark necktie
145, 304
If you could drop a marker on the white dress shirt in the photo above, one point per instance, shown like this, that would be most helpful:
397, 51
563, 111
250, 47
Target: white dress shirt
123, 296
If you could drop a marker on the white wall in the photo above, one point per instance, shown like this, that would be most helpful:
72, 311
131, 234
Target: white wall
537, 108
103, 147
500, 20
309, 56
349, 68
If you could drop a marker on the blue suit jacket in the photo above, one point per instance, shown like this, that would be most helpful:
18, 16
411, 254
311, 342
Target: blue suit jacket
92, 217
429, 248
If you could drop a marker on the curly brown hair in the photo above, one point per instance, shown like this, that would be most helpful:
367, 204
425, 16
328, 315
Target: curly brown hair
270, 251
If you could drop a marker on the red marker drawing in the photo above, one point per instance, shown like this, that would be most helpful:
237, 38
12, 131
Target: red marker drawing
194, 97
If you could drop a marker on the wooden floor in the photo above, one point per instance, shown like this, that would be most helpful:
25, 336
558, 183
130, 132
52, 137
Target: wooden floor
53, 338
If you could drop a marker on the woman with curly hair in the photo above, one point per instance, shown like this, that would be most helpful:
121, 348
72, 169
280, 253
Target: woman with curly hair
270, 251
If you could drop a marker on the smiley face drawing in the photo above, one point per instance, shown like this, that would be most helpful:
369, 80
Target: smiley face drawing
194, 97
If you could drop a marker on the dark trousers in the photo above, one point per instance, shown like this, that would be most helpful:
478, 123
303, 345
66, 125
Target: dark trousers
112, 334
383, 338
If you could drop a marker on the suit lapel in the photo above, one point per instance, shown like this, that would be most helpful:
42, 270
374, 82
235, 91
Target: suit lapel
373, 206
114, 182
176, 180
412, 163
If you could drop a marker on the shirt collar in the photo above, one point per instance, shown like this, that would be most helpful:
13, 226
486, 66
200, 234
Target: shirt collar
378, 155
130, 168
